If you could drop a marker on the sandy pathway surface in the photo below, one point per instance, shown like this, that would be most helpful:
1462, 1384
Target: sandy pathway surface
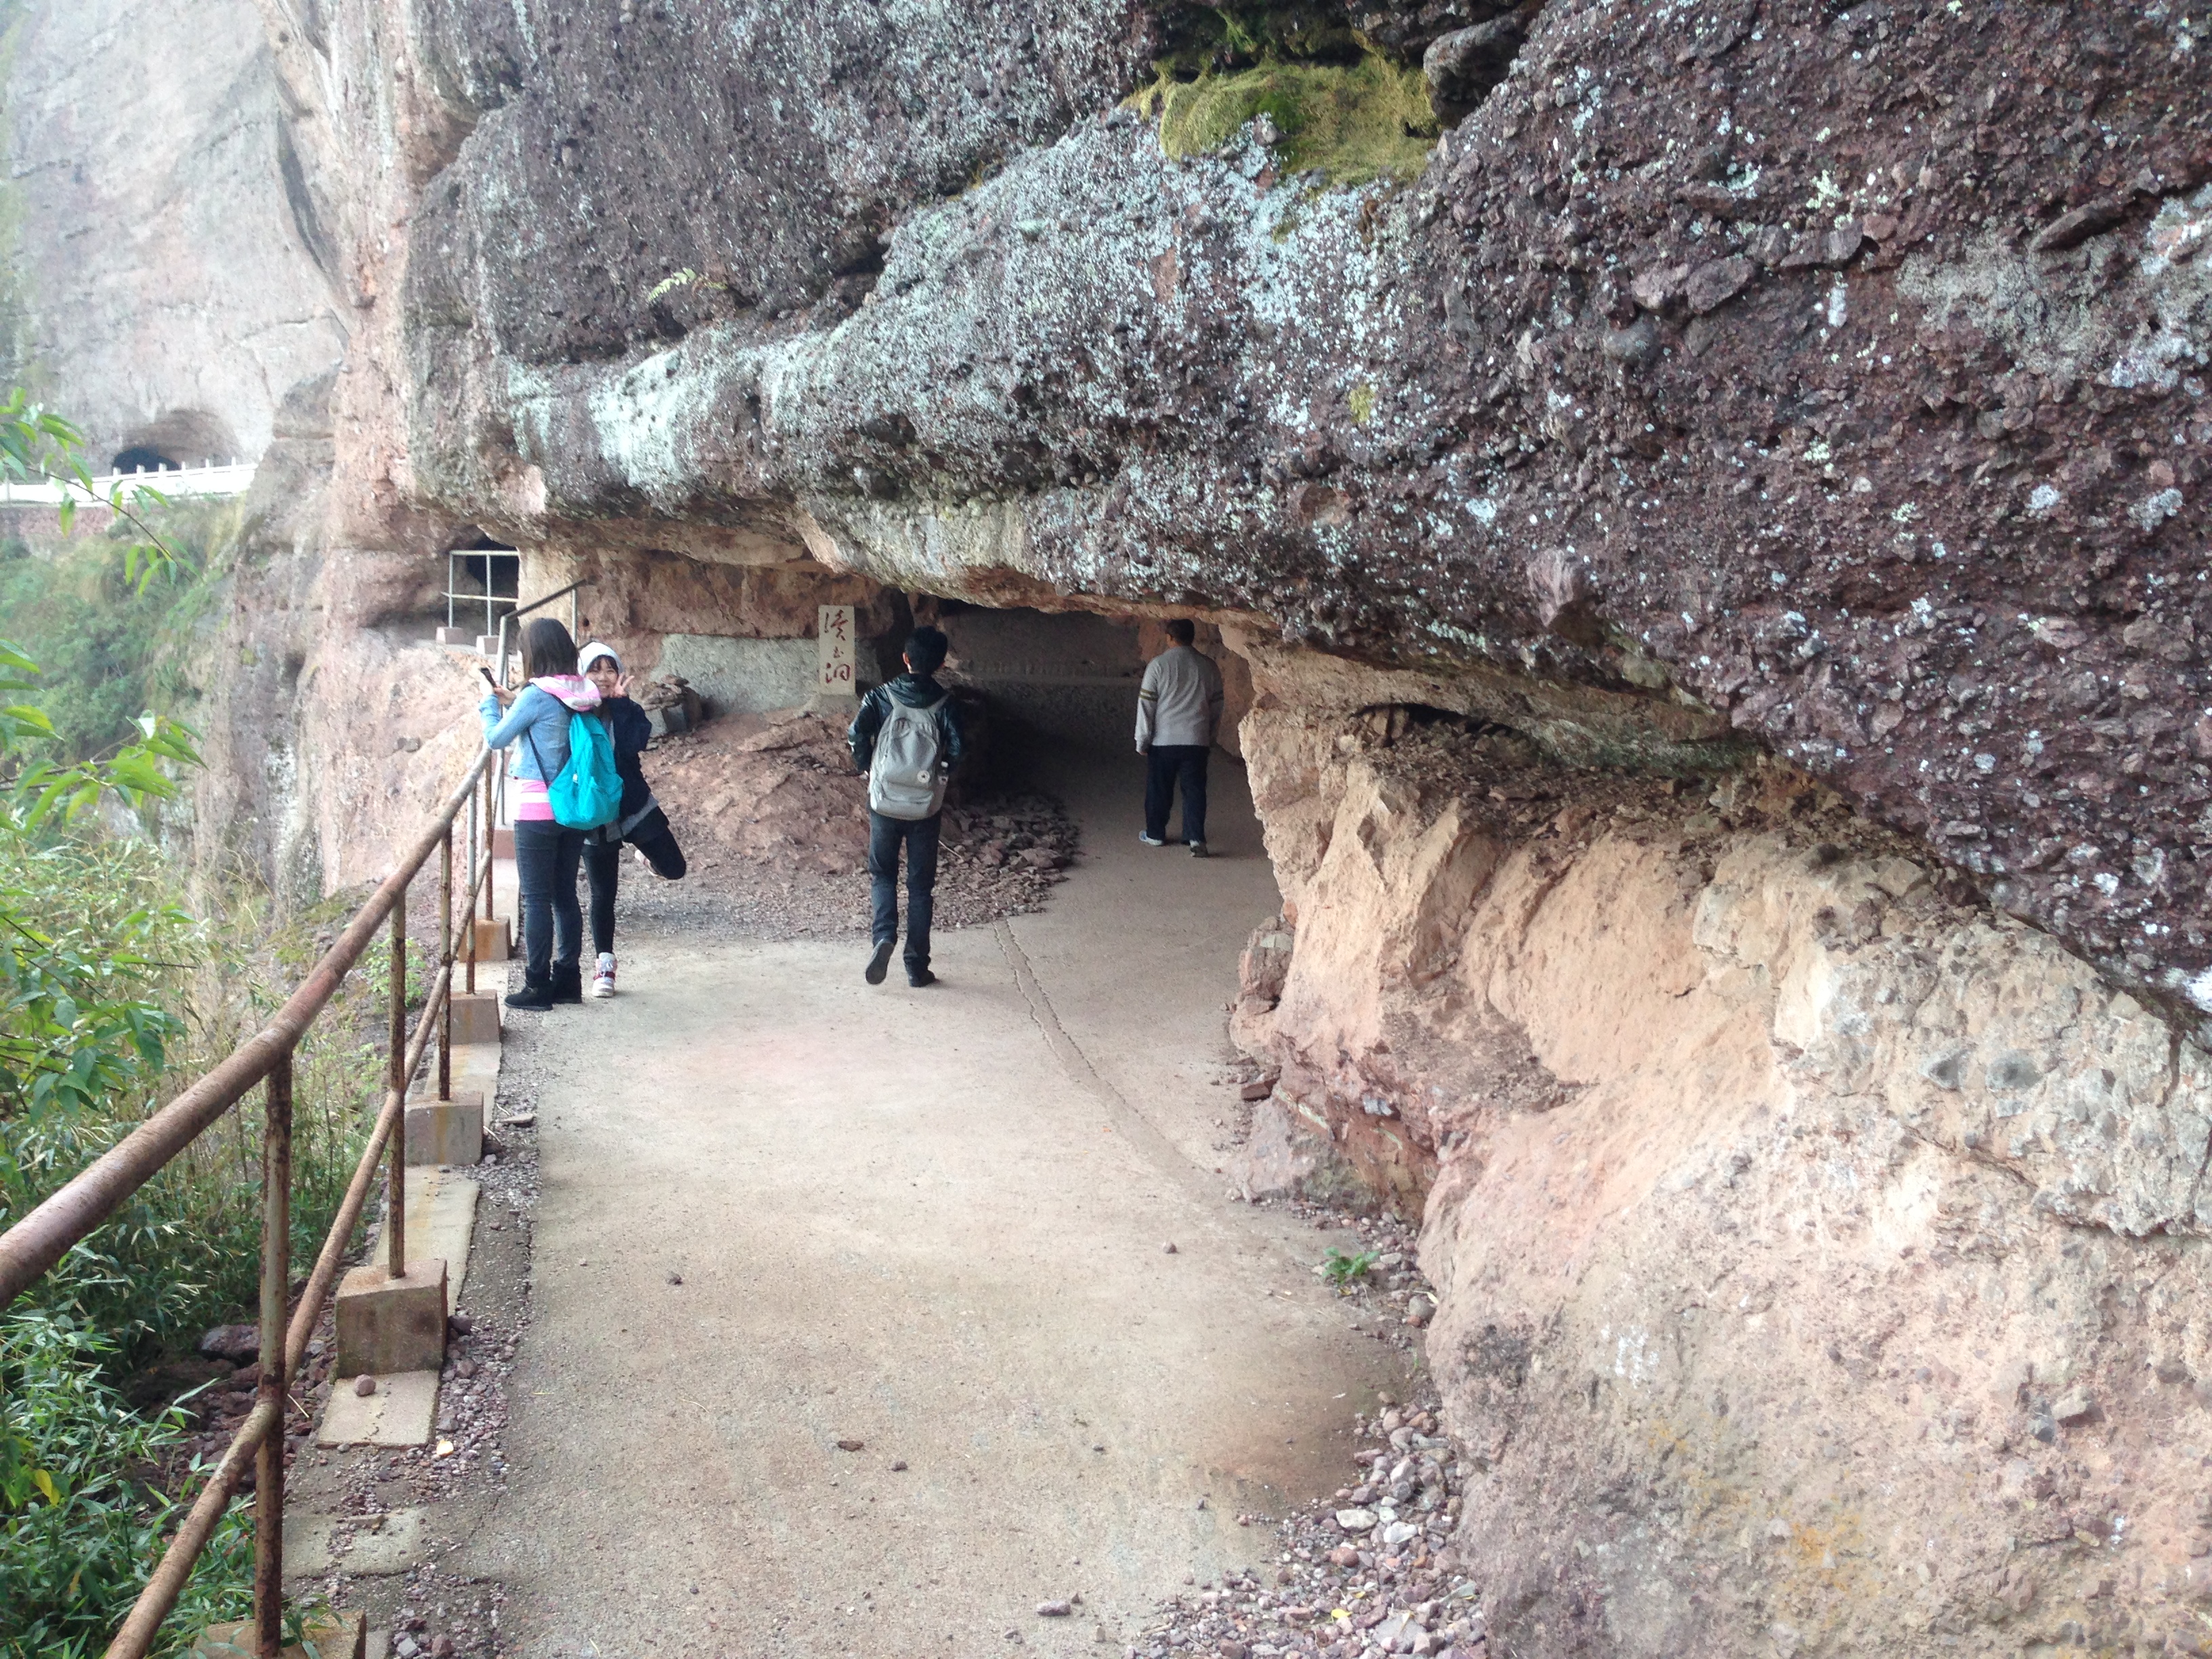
798, 1232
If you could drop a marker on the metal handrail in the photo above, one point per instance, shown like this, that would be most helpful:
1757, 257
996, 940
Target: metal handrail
498, 664
41, 1239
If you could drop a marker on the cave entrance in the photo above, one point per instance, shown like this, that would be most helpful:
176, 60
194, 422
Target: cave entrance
1140, 949
142, 458
1053, 695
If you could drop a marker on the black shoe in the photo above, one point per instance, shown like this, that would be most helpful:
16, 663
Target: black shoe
568, 982
1198, 850
535, 994
880, 963
918, 977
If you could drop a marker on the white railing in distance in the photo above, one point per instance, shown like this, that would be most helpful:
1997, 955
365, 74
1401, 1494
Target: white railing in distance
233, 478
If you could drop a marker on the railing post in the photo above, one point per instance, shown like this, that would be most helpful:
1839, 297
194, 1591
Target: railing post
395, 1179
490, 834
276, 1304
445, 964
472, 845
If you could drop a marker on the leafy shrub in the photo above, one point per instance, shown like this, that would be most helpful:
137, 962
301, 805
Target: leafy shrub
81, 1526
110, 993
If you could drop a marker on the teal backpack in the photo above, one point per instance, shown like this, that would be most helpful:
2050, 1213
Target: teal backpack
588, 791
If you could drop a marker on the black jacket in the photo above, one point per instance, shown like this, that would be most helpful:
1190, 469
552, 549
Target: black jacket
631, 729
915, 691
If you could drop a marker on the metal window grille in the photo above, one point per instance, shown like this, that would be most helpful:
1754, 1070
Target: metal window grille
490, 578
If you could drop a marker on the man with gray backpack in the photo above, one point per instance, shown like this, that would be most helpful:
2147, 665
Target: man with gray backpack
907, 738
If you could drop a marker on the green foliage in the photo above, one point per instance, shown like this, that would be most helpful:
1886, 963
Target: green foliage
112, 647
80, 1525
1352, 122
1343, 1269
168, 995
110, 993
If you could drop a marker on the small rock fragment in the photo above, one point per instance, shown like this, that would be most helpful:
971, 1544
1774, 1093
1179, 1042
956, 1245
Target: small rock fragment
364, 1385
1713, 284
239, 1344
1053, 1609
898, 1466
1168, 1248
2074, 1405
2071, 229
851, 1445
676, 1278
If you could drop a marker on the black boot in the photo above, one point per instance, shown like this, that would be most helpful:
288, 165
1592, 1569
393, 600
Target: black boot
568, 982
535, 994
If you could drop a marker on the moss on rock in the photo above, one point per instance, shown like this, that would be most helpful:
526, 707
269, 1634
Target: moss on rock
1353, 123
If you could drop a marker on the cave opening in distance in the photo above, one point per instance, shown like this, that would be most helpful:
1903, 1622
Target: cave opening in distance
142, 458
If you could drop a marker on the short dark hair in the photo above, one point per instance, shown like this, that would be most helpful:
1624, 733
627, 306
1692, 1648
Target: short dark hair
547, 648
1180, 631
925, 650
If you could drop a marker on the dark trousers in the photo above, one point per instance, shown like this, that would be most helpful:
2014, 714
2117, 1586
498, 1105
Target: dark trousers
1166, 765
918, 837
545, 857
602, 869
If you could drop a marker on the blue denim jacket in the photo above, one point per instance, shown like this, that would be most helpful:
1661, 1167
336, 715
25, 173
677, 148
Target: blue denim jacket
545, 718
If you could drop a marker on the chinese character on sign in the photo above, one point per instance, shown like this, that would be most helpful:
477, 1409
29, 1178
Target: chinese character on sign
834, 635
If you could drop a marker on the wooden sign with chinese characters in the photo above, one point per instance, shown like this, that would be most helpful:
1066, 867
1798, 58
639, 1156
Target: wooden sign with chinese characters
834, 641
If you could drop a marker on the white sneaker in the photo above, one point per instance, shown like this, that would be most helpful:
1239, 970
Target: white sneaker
603, 982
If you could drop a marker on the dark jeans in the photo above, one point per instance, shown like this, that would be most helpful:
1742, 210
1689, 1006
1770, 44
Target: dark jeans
918, 837
545, 856
603, 868
1167, 764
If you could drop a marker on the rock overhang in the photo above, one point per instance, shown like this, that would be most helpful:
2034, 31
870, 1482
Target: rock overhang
1688, 367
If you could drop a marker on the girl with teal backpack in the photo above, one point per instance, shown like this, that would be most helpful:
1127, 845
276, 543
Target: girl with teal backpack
561, 782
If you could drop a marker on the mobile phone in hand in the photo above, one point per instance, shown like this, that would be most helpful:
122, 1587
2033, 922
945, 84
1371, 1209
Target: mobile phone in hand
486, 673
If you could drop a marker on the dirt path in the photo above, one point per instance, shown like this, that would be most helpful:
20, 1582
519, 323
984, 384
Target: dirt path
930, 1222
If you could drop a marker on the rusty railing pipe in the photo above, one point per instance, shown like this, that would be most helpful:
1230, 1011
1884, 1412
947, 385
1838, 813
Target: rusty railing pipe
395, 1171
275, 1296
445, 940
41, 1239
160, 1596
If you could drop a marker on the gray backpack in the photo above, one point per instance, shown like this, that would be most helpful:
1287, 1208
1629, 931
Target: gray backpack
907, 775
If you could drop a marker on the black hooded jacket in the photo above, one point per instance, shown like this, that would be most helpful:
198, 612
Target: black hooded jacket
631, 729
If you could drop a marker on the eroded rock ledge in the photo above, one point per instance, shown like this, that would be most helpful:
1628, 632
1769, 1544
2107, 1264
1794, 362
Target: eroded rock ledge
1819, 1251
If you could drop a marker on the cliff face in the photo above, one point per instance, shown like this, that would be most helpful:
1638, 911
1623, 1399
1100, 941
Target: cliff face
1840, 371
1817, 1253
174, 272
1717, 536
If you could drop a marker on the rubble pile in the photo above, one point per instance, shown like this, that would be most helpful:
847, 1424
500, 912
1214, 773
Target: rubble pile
774, 823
